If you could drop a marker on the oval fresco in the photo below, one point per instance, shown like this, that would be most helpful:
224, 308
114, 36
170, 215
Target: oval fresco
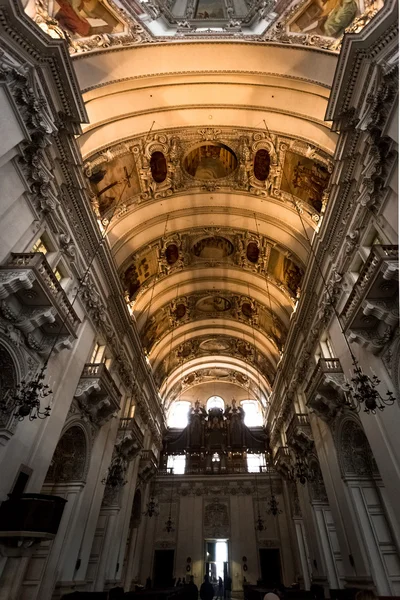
214, 247
213, 304
172, 254
218, 373
247, 309
252, 252
262, 163
214, 345
180, 311
210, 161
158, 166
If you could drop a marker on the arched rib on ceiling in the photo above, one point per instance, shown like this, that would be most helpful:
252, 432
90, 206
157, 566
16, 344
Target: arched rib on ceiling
225, 90
200, 370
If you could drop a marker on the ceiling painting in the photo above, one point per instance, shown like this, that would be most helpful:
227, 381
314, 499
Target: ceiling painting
142, 268
213, 346
305, 178
210, 161
210, 9
212, 305
214, 248
76, 20
329, 18
99, 24
162, 165
285, 270
113, 182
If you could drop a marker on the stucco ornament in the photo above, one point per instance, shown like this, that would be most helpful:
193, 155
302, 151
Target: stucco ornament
216, 520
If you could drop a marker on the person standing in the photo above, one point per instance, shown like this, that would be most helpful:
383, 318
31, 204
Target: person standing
220, 593
206, 589
192, 593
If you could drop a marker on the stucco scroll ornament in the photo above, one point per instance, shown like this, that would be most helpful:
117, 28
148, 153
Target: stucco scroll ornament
245, 163
262, 141
36, 115
143, 153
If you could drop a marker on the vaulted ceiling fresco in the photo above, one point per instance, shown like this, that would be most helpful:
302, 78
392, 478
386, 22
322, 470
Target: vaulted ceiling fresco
208, 164
93, 25
186, 288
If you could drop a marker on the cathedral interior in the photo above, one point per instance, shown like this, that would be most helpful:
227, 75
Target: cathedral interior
199, 299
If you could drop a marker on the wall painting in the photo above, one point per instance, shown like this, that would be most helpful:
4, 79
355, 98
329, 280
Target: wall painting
114, 182
304, 178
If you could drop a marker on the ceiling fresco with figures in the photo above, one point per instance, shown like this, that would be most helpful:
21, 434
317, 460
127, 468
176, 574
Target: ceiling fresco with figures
93, 25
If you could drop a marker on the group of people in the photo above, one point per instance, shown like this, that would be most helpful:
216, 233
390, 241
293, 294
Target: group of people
208, 592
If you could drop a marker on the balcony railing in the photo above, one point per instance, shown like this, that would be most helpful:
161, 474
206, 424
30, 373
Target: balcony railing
129, 424
299, 425
148, 465
49, 282
97, 394
323, 366
380, 266
100, 371
226, 471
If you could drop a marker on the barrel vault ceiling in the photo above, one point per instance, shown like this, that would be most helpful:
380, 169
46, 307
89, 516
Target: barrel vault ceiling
201, 155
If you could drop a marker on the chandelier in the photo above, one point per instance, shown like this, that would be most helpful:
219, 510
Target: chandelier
260, 523
115, 477
169, 525
301, 471
363, 393
26, 400
273, 503
152, 509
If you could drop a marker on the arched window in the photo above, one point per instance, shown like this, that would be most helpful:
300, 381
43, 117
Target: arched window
252, 413
178, 414
215, 402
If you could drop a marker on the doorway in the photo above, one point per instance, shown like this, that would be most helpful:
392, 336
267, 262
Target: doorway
216, 559
270, 565
163, 568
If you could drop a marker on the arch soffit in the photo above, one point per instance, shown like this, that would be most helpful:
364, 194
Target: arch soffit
197, 280
146, 223
219, 280
232, 364
230, 327
313, 66
235, 329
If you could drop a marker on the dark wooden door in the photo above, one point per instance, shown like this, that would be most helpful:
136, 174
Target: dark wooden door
163, 568
270, 564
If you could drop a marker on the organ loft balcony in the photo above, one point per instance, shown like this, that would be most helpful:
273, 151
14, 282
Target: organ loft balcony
33, 301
